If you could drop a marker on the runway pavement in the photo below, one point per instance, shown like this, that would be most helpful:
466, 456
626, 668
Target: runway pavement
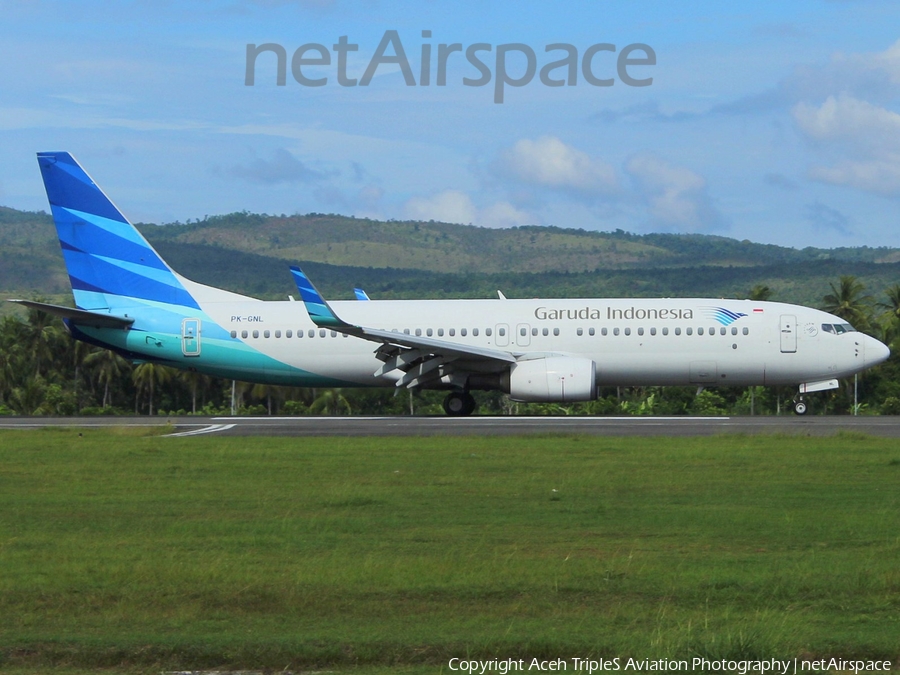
479, 425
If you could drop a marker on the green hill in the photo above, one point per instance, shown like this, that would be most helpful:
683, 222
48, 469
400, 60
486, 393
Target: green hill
250, 253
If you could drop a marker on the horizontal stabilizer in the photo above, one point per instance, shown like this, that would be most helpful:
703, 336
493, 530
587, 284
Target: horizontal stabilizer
78, 316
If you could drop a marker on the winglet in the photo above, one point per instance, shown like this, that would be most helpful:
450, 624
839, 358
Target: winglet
319, 311
360, 294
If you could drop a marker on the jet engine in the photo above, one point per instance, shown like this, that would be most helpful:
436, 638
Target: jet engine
559, 379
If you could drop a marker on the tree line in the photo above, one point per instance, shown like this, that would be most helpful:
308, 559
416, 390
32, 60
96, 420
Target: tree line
43, 371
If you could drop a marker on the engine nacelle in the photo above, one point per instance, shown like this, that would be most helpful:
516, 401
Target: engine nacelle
555, 379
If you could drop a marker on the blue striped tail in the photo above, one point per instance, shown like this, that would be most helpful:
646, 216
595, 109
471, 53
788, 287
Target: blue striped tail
109, 262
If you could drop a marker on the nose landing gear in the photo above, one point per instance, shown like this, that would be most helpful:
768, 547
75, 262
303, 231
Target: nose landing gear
459, 404
800, 406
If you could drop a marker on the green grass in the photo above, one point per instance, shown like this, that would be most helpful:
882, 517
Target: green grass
148, 553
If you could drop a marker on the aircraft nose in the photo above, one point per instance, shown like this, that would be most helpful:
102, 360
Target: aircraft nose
876, 352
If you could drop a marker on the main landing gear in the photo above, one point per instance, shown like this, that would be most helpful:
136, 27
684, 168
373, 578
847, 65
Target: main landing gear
459, 404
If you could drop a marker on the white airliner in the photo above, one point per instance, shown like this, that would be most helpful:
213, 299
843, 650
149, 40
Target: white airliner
129, 300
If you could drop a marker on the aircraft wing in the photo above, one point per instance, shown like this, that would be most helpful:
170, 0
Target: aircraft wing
80, 317
422, 360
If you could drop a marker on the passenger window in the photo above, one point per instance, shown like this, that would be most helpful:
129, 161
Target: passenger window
712, 331
405, 330
688, 331
699, 331
288, 333
579, 332
603, 331
453, 332
615, 331
418, 332
243, 333
322, 332
440, 332
640, 331
734, 330
677, 331
523, 332
534, 331
556, 331
488, 332
590, 331
475, 332
278, 333
333, 333
745, 331
429, 332
627, 331
545, 332
463, 332
311, 333
652, 331
266, 333
665, 331
256, 334
502, 332
234, 333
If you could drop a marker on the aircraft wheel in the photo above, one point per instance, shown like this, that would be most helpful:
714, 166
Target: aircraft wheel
459, 404
800, 407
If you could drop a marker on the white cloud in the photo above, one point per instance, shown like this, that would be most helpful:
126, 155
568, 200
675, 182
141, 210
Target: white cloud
449, 206
845, 118
282, 168
549, 163
503, 214
676, 197
865, 135
454, 206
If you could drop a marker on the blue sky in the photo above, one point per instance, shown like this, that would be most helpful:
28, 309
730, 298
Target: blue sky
774, 122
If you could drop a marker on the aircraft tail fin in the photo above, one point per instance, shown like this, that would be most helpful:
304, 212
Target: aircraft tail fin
109, 262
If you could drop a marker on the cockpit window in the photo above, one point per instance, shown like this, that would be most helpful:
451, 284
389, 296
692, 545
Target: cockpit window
838, 328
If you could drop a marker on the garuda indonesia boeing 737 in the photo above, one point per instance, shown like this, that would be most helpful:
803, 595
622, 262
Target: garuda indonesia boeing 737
129, 300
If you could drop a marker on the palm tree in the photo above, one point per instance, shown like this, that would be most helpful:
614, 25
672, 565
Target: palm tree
892, 306
146, 376
42, 337
198, 384
267, 391
760, 293
847, 301
108, 367
330, 402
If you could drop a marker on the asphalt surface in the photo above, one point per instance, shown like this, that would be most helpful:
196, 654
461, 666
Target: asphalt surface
480, 426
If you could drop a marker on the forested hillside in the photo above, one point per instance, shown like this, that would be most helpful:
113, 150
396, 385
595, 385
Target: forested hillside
250, 253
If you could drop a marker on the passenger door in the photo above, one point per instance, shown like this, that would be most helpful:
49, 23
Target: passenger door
190, 337
788, 333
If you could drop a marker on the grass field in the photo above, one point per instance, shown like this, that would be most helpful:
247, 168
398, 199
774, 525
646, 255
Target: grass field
142, 553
